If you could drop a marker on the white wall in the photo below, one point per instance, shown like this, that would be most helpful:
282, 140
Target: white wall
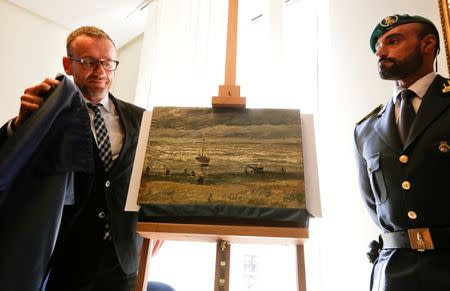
349, 89
31, 50
124, 85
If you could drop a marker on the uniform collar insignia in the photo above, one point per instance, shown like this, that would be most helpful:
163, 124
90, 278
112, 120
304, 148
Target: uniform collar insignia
382, 110
444, 147
446, 87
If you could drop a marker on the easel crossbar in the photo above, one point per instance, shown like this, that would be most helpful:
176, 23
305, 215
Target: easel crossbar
231, 233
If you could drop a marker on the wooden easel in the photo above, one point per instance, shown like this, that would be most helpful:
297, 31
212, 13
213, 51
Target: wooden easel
224, 236
229, 92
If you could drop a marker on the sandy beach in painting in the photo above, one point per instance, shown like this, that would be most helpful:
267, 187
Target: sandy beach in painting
198, 156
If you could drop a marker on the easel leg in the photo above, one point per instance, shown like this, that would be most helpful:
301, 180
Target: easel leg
222, 278
142, 276
301, 273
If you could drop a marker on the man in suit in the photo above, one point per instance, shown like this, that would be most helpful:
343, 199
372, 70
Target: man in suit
403, 158
97, 246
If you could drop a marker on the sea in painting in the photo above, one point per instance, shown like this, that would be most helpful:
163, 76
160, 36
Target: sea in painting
249, 157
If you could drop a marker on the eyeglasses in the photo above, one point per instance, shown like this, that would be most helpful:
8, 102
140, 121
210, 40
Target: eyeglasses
92, 64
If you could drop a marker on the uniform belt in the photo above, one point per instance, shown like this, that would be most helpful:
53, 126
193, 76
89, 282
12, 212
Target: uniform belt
419, 239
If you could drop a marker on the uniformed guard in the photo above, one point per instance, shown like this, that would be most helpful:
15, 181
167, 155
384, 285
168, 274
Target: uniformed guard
403, 158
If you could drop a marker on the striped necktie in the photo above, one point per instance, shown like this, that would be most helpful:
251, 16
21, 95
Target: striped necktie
103, 143
407, 114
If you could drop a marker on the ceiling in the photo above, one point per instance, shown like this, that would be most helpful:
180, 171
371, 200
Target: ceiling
121, 19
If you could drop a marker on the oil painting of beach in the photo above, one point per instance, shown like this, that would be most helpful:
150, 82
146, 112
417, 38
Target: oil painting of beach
250, 157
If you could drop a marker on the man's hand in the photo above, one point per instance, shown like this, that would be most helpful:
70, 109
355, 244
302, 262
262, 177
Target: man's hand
33, 97
156, 246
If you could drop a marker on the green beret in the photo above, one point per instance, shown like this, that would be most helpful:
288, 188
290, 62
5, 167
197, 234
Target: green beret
395, 20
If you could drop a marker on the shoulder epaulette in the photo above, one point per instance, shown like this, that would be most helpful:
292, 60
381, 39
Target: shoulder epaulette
371, 113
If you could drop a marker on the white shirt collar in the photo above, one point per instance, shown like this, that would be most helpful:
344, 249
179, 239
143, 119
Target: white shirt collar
419, 87
104, 102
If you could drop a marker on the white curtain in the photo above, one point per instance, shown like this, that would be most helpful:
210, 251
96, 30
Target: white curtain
183, 54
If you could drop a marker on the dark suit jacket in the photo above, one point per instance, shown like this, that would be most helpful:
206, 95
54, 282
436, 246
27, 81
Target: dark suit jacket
126, 241
378, 150
77, 231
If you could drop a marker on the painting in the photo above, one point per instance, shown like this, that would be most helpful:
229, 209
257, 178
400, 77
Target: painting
241, 160
445, 22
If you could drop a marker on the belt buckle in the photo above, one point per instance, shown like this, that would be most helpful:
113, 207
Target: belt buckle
420, 239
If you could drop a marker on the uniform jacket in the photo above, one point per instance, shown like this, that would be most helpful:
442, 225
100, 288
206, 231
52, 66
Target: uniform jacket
113, 187
384, 164
37, 166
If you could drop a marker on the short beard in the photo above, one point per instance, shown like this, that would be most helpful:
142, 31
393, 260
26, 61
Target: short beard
400, 69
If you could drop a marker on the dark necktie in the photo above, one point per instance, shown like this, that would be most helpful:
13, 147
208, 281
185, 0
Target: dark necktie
406, 115
103, 143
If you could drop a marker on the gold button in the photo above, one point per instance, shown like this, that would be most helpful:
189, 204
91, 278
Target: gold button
403, 159
412, 215
406, 185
